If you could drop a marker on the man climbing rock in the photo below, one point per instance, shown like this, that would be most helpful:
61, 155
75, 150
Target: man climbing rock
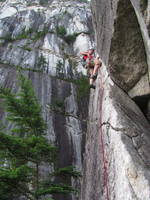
92, 65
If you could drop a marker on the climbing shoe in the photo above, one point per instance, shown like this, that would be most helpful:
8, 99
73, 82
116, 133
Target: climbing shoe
94, 76
92, 86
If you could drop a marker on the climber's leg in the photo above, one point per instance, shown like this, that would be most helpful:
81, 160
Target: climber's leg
97, 65
91, 70
91, 74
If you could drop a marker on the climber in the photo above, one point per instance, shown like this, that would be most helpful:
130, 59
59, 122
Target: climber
92, 65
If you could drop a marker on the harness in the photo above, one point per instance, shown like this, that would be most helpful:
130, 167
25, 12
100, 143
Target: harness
87, 60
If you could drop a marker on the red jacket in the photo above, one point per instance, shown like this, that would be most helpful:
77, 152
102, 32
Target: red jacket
90, 57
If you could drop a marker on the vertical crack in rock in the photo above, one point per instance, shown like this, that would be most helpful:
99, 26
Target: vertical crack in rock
44, 39
127, 141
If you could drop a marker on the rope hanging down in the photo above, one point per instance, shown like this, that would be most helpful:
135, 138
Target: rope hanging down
104, 159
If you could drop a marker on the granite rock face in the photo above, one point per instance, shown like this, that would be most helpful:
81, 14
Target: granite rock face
45, 36
117, 157
43, 39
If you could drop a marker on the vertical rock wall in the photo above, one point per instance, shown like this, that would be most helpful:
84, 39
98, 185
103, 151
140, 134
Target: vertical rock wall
44, 39
117, 158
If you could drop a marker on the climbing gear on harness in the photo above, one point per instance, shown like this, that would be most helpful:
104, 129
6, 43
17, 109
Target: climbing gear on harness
92, 86
94, 76
87, 61
83, 62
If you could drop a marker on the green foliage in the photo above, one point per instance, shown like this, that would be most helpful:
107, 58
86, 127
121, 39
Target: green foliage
12, 182
23, 173
58, 103
23, 109
26, 48
32, 35
68, 171
74, 64
40, 34
60, 68
82, 87
63, 189
22, 153
24, 34
29, 34
33, 148
71, 38
61, 31
83, 1
43, 2
49, 199
58, 106
42, 63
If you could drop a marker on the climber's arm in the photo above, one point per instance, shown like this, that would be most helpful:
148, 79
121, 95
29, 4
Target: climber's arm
84, 53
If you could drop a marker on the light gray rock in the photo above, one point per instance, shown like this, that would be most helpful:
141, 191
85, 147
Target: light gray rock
45, 37
32, 38
65, 127
117, 161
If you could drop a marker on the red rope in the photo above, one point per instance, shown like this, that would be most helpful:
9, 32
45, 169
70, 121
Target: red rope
105, 168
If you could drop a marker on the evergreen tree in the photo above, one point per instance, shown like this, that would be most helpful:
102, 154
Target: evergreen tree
24, 148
